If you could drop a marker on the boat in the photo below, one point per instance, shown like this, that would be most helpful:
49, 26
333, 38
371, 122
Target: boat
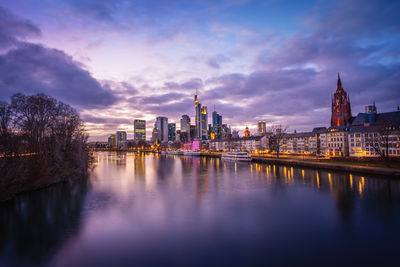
191, 153
236, 156
175, 152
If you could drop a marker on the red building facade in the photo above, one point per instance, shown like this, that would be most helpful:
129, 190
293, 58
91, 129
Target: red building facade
341, 109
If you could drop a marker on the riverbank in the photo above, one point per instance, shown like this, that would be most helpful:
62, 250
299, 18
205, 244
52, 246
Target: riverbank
13, 188
24, 174
354, 167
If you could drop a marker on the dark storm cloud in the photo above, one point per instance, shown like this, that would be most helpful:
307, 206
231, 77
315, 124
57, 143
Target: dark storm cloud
13, 29
32, 68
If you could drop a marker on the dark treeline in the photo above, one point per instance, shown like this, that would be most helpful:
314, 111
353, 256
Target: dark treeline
42, 140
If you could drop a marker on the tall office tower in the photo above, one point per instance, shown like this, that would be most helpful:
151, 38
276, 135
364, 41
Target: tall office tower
161, 126
192, 132
112, 140
197, 109
171, 131
261, 127
185, 126
204, 123
183, 136
341, 108
121, 138
226, 131
178, 135
139, 130
217, 125
210, 132
155, 134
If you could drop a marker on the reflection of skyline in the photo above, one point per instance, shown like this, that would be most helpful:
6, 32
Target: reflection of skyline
154, 200
344, 187
202, 166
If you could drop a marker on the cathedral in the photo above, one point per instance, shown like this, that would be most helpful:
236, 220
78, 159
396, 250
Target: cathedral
341, 109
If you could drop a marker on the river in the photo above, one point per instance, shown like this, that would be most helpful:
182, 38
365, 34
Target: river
152, 210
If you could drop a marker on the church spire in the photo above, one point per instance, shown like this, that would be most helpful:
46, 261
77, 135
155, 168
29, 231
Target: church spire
339, 82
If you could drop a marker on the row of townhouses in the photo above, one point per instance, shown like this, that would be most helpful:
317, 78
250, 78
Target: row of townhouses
250, 143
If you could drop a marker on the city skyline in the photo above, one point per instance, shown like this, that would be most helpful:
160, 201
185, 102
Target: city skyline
272, 61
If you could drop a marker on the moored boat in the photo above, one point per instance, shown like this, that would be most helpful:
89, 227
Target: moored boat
191, 153
236, 156
175, 152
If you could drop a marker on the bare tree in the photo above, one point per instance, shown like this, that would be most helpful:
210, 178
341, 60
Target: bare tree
5, 128
277, 138
380, 140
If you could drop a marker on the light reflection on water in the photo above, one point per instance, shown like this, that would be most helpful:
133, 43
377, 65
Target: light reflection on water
141, 209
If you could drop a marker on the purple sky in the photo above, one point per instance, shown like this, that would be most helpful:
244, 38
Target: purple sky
116, 61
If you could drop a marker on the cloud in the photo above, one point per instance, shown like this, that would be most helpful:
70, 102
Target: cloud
216, 61
33, 68
97, 9
161, 99
13, 29
191, 84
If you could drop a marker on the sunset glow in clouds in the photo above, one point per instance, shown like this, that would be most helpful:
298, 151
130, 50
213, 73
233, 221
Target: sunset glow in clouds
116, 61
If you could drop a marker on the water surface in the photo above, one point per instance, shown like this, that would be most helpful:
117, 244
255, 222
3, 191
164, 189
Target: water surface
142, 209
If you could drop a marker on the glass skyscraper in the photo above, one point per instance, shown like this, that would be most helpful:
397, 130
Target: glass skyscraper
197, 109
217, 125
185, 128
161, 129
121, 138
171, 131
261, 127
204, 123
139, 130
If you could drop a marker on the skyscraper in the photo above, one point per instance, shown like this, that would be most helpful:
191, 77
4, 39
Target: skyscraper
185, 128
261, 127
217, 125
204, 123
171, 131
139, 130
121, 138
192, 132
160, 131
341, 109
112, 140
226, 131
197, 109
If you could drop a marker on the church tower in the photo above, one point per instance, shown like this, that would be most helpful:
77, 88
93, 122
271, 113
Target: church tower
341, 109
